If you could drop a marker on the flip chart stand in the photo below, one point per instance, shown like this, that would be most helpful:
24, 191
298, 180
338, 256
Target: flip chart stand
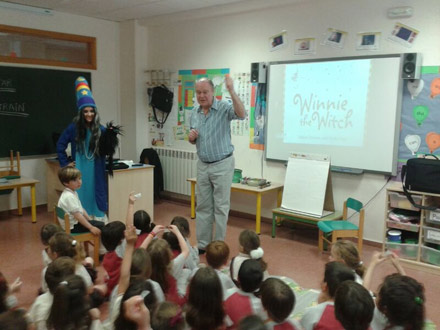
308, 187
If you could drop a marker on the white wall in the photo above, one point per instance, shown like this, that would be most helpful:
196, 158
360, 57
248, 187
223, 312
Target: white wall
235, 41
105, 79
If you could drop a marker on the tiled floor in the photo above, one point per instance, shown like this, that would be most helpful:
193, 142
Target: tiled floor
292, 253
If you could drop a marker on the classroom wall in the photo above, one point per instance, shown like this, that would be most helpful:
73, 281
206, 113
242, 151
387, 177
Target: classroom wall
105, 79
235, 41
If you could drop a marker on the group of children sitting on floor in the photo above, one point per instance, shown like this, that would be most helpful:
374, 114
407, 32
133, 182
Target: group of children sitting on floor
155, 281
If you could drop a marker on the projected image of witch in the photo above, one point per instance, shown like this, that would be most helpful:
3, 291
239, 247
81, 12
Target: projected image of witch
328, 103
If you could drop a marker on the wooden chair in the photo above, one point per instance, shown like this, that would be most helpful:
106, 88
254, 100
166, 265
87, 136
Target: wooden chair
342, 228
86, 238
11, 171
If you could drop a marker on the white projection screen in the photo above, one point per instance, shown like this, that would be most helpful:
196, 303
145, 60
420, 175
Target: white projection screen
347, 108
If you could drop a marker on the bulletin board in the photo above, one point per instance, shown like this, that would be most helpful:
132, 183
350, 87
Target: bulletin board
419, 128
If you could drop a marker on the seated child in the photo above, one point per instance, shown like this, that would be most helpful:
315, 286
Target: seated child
354, 306
168, 316
46, 232
278, 300
7, 299
401, 300
80, 221
322, 316
143, 224
56, 272
345, 251
241, 302
193, 259
112, 237
217, 255
249, 249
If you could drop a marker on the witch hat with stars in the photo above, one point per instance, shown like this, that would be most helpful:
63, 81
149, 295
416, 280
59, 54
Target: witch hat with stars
84, 97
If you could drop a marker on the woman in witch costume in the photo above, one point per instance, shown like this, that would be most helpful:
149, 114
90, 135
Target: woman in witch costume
90, 144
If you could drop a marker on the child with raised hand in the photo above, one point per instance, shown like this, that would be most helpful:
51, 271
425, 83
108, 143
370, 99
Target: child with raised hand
217, 255
56, 272
7, 298
204, 309
71, 306
165, 270
168, 316
46, 232
241, 302
80, 221
346, 251
278, 301
354, 306
193, 259
322, 316
249, 249
143, 224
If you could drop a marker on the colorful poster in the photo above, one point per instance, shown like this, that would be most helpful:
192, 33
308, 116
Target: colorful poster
257, 116
419, 129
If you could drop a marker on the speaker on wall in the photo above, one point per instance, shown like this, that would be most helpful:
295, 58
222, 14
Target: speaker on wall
258, 72
412, 63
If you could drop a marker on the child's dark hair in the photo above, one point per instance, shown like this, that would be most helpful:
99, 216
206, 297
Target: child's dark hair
251, 322
205, 300
160, 253
4, 288
346, 250
250, 242
335, 273
57, 271
70, 308
402, 300
68, 173
168, 316
182, 224
141, 264
137, 287
13, 320
63, 245
250, 275
172, 240
47, 231
354, 306
217, 254
112, 234
142, 221
277, 299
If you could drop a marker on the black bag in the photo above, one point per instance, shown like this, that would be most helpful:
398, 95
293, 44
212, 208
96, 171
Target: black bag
421, 174
161, 98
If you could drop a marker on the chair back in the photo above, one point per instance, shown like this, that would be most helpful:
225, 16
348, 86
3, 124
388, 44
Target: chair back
59, 213
13, 168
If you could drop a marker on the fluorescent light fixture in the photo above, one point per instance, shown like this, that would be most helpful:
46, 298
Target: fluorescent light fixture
29, 9
400, 12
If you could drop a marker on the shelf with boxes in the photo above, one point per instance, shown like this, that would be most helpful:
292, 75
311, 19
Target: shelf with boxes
411, 233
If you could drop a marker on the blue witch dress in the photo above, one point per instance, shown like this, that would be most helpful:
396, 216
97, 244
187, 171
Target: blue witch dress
93, 192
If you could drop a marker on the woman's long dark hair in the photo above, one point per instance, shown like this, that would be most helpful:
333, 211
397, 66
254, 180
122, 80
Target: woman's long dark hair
81, 131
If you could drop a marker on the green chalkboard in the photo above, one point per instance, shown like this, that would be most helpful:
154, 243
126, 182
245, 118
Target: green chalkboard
36, 105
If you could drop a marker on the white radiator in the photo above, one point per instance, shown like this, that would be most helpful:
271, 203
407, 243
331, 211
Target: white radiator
177, 166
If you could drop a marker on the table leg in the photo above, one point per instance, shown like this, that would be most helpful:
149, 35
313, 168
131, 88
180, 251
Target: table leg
33, 204
258, 215
279, 200
274, 220
19, 204
193, 200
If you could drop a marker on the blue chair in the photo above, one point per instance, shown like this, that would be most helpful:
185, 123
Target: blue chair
331, 231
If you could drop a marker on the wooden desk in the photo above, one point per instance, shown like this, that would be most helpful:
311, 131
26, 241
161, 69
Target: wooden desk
281, 213
18, 184
245, 189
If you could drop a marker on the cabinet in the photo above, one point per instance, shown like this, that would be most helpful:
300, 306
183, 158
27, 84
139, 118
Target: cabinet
418, 246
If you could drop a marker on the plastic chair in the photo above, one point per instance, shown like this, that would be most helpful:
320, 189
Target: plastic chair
342, 228
86, 238
11, 171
